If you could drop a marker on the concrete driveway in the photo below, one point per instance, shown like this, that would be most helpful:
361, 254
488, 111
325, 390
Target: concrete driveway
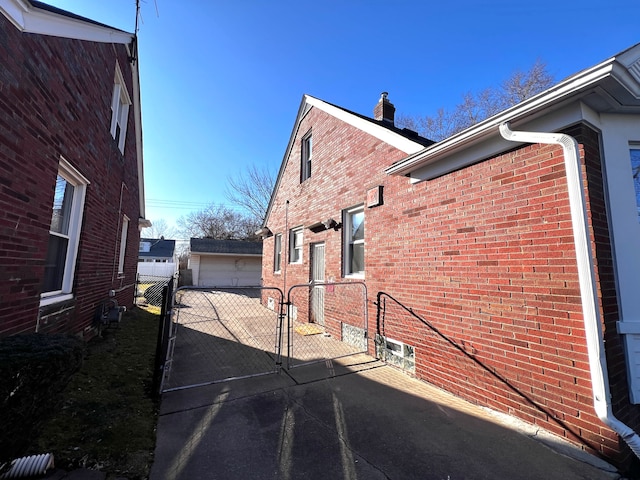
353, 418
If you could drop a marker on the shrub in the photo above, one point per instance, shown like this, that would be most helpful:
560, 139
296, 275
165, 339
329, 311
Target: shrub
34, 370
153, 294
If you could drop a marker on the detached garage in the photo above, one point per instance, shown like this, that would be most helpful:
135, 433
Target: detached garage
225, 263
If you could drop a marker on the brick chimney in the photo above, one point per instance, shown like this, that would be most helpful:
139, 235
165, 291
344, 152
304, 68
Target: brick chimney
384, 110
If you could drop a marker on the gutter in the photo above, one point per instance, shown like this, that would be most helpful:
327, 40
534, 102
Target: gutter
562, 92
586, 276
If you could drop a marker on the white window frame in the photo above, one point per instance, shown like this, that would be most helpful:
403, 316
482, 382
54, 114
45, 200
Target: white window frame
80, 183
348, 241
120, 102
296, 241
277, 253
123, 244
306, 156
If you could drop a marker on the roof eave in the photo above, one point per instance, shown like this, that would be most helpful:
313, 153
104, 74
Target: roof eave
384, 134
581, 83
31, 19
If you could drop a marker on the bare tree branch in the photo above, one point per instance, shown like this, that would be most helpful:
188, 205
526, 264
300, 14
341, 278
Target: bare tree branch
475, 108
159, 228
219, 222
252, 190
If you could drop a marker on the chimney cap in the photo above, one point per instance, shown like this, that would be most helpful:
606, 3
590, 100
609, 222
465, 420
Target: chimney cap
384, 95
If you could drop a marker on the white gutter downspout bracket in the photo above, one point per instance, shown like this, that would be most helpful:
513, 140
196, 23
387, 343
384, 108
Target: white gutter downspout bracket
586, 275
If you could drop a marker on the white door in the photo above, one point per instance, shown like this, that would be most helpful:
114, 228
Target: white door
317, 291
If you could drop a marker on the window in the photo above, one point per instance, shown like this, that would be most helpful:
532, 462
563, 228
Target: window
120, 102
307, 151
354, 241
295, 245
396, 353
64, 233
277, 252
123, 244
635, 169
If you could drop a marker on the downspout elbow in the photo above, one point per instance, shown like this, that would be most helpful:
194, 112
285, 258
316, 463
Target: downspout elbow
586, 275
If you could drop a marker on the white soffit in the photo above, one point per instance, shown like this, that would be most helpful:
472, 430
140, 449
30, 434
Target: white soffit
30, 19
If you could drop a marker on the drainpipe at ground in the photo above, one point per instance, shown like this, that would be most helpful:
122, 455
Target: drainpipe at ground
586, 275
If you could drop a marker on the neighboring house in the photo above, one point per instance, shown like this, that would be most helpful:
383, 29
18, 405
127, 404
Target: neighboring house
157, 257
513, 257
71, 194
225, 263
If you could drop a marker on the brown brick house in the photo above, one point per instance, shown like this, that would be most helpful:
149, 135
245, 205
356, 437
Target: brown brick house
504, 263
71, 177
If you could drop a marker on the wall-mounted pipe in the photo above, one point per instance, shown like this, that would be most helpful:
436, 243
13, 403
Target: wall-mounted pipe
586, 275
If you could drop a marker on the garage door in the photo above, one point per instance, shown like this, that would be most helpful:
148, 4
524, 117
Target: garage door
229, 271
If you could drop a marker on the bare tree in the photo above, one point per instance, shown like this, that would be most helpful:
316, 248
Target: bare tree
159, 228
219, 222
475, 108
251, 190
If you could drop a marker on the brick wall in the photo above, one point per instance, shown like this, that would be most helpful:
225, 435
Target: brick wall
55, 100
484, 259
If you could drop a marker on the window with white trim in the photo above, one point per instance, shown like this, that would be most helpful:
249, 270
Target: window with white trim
64, 232
354, 241
123, 244
277, 252
120, 102
306, 154
295, 245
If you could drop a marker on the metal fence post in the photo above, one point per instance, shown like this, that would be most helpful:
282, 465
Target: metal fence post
163, 337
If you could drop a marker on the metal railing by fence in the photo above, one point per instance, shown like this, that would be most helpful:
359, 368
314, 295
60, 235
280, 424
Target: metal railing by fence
220, 334
325, 321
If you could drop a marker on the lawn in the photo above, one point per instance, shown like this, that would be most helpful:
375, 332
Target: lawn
108, 418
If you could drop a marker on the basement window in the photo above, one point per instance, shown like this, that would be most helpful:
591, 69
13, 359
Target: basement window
396, 353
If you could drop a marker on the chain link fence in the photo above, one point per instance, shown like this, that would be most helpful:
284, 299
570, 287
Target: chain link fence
149, 290
325, 321
222, 334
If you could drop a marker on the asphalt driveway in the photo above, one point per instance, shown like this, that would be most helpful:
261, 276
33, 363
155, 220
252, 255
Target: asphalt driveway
353, 418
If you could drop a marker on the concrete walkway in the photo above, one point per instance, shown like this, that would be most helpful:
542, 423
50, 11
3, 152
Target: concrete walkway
354, 418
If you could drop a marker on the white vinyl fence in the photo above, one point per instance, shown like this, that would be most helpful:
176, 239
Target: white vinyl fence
156, 269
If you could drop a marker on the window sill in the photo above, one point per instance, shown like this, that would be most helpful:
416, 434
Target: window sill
45, 301
355, 276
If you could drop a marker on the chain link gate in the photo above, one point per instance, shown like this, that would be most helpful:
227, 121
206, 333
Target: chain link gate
325, 321
221, 334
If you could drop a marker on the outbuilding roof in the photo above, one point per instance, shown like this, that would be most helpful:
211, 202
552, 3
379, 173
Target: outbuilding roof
225, 247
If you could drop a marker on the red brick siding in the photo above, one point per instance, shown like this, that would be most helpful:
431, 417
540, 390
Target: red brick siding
55, 100
485, 257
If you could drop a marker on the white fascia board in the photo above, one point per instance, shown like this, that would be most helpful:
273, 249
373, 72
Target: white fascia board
561, 92
29, 19
394, 139
137, 118
495, 144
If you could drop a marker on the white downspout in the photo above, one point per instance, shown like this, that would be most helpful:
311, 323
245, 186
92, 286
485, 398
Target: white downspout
588, 292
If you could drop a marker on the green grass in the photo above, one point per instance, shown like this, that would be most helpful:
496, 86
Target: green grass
108, 418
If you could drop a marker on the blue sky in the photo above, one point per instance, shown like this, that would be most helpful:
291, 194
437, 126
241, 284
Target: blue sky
222, 79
